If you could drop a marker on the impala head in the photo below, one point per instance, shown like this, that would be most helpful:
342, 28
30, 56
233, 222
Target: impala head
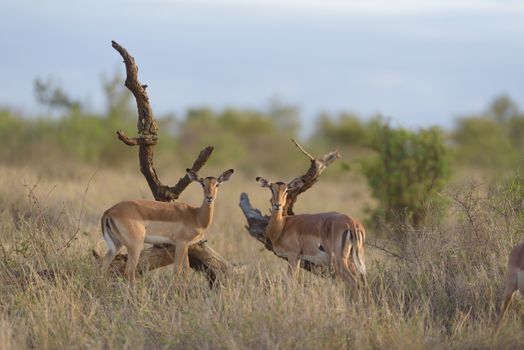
279, 191
210, 184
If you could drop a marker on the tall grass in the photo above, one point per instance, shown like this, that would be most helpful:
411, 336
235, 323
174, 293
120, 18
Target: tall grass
440, 290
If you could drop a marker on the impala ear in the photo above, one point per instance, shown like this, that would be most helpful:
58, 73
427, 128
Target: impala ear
263, 182
295, 185
226, 175
193, 176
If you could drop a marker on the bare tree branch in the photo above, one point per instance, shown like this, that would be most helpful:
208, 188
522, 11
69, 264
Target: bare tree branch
213, 265
146, 122
303, 150
256, 222
317, 166
197, 164
135, 141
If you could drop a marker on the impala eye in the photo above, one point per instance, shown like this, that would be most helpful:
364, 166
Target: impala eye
203, 184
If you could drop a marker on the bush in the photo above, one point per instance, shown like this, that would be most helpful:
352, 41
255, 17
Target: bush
407, 172
483, 142
345, 129
247, 139
492, 139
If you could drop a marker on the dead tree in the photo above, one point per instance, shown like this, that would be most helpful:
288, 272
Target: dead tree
201, 256
257, 223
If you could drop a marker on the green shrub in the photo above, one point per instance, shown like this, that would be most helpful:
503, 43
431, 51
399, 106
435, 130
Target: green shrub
248, 139
483, 142
407, 172
492, 139
345, 129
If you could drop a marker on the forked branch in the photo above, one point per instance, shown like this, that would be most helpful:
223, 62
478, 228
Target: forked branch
316, 167
147, 126
147, 135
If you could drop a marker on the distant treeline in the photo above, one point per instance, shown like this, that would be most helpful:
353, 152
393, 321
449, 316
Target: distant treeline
250, 139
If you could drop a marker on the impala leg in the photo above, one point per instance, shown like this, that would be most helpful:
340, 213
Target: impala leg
520, 282
364, 280
186, 263
294, 264
506, 302
509, 290
181, 257
133, 254
366, 288
359, 278
113, 244
346, 273
334, 265
110, 255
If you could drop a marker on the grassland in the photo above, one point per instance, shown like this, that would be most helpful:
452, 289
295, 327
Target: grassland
441, 289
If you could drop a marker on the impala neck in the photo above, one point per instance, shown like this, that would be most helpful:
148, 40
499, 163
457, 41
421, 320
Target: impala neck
205, 214
275, 226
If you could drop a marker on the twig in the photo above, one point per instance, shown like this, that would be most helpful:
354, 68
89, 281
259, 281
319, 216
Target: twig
4, 252
10, 274
303, 150
201, 160
135, 141
75, 235
385, 250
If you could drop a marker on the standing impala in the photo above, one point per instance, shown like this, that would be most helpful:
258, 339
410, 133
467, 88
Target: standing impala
133, 223
321, 238
514, 277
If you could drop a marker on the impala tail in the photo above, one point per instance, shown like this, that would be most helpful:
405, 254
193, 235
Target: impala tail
107, 233
355, 246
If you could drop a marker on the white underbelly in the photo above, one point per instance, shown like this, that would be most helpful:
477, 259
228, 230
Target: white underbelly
321, 258
162, 232
162, 227
157, 240
520, 282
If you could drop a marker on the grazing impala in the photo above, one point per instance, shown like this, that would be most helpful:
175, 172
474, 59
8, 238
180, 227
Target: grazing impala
133, 223
514, 277
321, 238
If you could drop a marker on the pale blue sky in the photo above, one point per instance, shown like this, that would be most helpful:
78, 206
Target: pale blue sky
418, 62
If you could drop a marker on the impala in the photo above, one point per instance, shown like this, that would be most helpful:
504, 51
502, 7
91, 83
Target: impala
514, 277
323, 238
133, 223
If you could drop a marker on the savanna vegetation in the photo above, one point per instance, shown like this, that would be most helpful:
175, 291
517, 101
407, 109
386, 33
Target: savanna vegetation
443, 209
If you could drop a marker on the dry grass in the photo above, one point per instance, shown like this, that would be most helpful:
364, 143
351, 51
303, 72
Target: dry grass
443, 292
